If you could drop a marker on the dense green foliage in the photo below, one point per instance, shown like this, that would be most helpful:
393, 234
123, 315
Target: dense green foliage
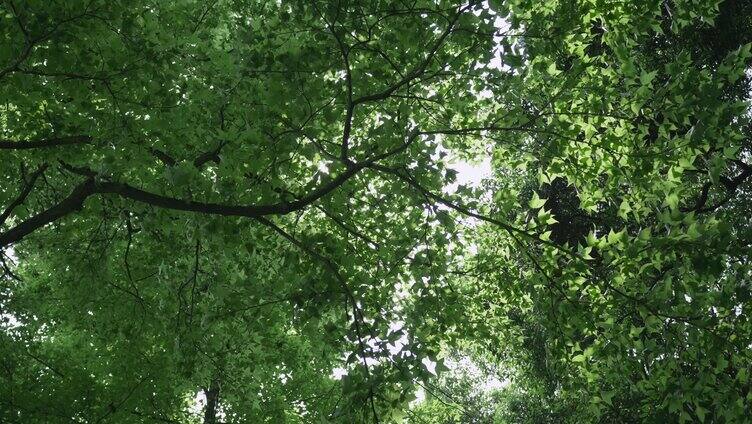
248, 211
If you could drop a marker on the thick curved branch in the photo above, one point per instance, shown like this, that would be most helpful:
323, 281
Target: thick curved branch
91, 187
71, 203
250, 211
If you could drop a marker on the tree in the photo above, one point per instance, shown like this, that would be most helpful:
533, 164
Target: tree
242, 200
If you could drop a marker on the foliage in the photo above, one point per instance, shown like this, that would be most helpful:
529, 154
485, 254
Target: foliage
243, 199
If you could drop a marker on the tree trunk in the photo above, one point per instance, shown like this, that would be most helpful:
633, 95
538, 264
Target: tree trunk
212, 400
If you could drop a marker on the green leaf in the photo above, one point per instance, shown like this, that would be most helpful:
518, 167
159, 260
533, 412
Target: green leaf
551, 70
624, 209
700, 411
536, 202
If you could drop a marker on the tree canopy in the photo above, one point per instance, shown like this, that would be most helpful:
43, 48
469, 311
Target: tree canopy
238, 211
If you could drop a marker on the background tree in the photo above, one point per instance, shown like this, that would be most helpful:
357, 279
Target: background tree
642, 308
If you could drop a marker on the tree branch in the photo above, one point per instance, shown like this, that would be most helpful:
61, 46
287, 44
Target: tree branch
461, 209
91, 187
212, 402
44, 143
23, 195
210, 156
345, 52
357, 314
730, 184
71, 203
418, 70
